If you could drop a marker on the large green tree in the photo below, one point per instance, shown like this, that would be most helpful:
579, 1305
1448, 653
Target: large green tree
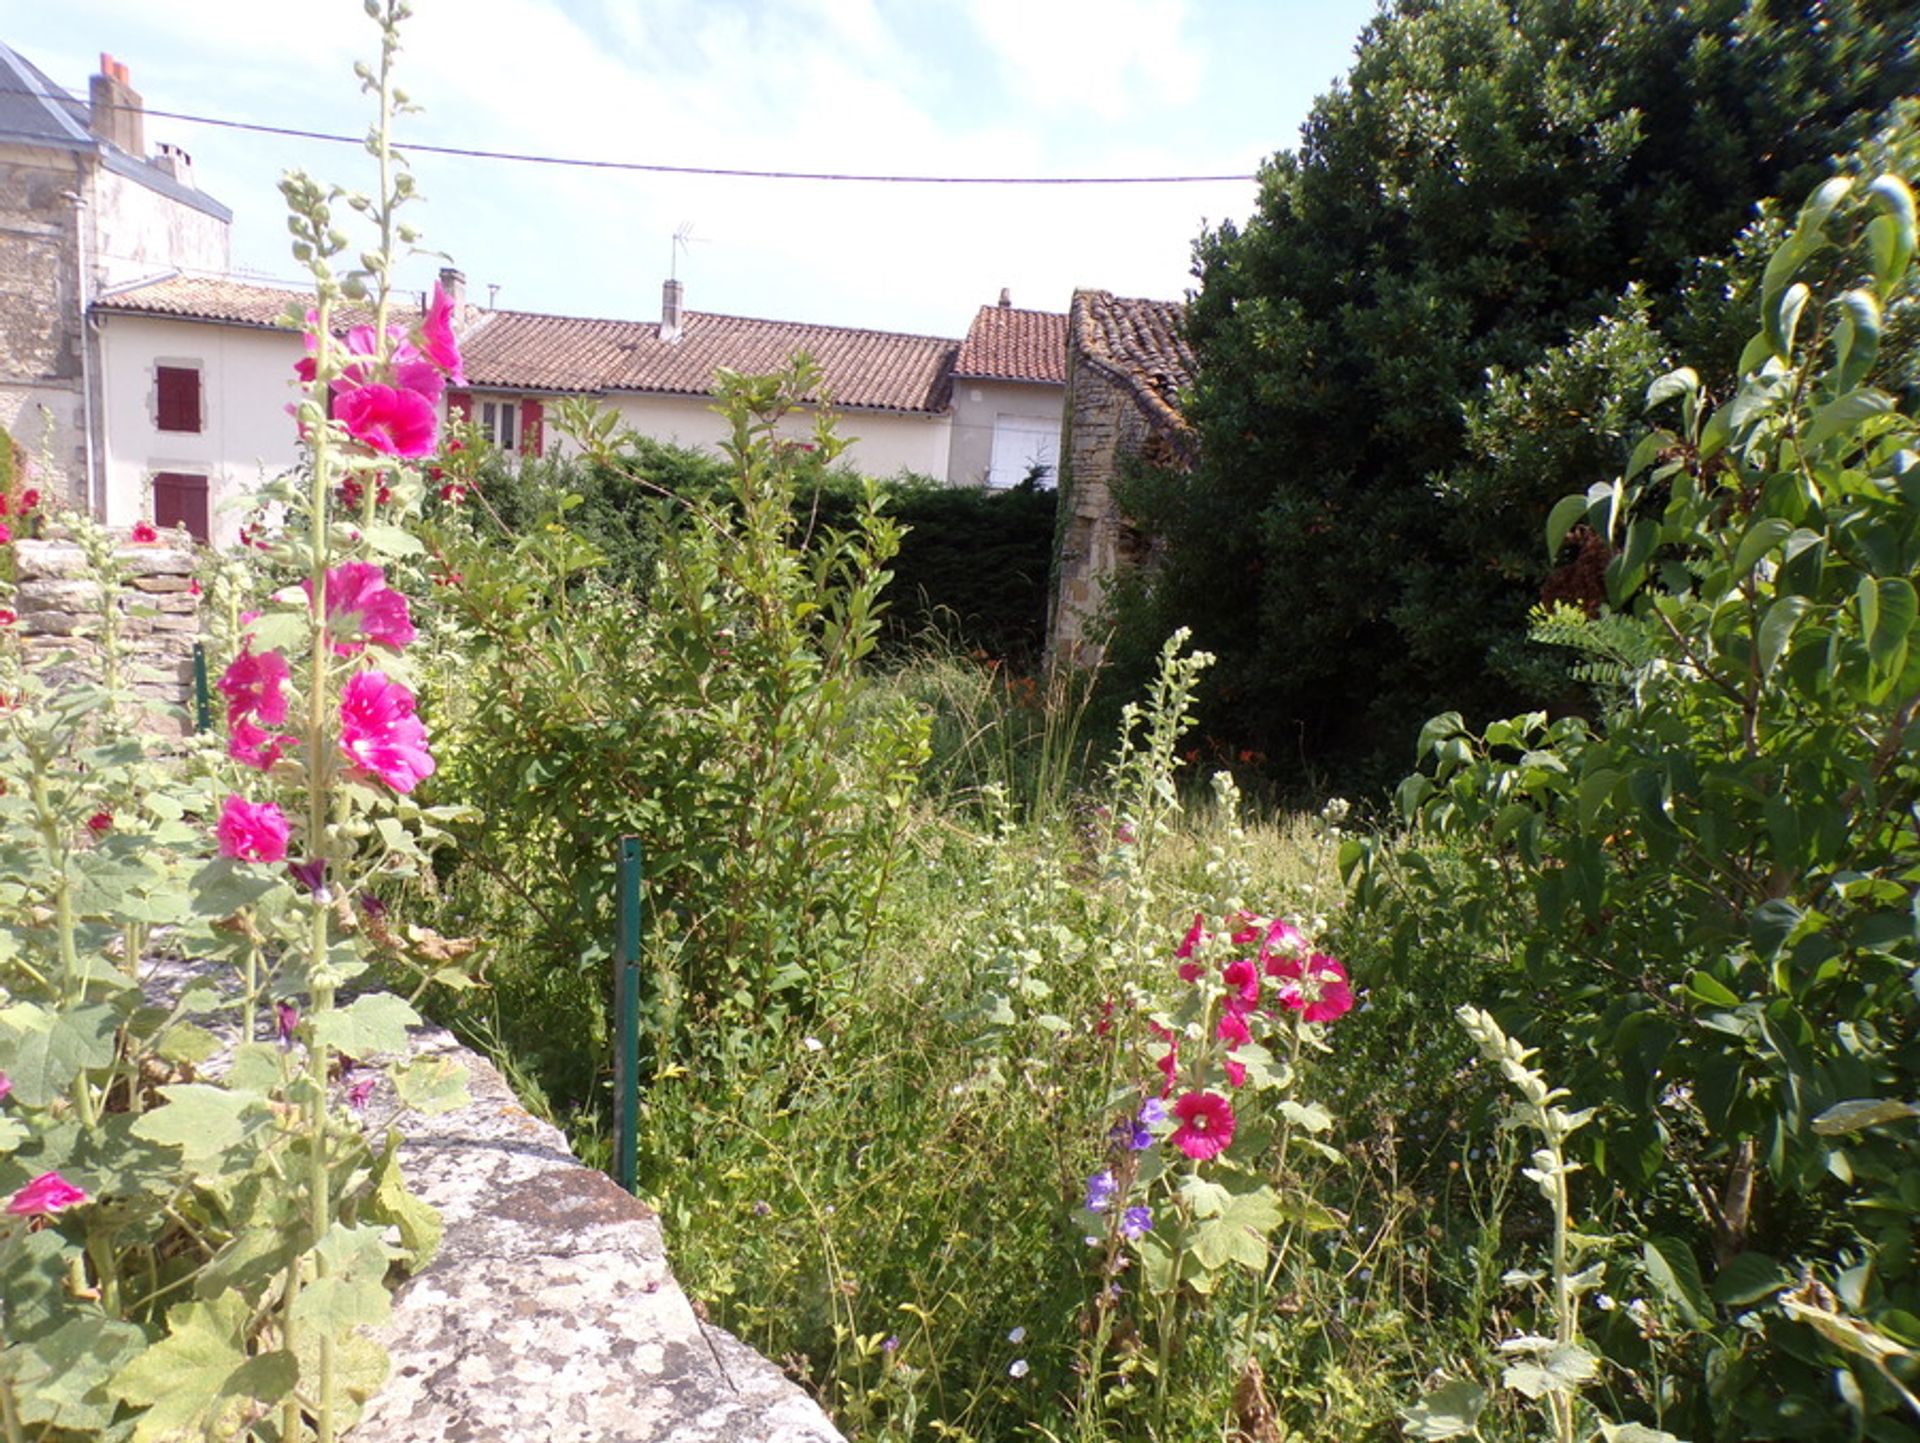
1361, 542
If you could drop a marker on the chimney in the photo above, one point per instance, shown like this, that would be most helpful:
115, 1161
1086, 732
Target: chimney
172, 160
116, 114
1006, 299
454, 282
670, 312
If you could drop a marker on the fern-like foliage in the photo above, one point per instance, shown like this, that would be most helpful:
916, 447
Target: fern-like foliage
1616, 649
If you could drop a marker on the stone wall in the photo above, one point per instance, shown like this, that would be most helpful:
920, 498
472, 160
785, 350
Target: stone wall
40, 396
59, 607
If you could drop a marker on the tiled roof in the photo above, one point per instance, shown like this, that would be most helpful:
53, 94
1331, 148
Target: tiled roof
1004, 344
216, 298
1142, 344
878, 370
519, 350
34, 109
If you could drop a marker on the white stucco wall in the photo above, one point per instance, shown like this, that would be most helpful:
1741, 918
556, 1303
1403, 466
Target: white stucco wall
137, 233
884, 442
246, 384
977, 405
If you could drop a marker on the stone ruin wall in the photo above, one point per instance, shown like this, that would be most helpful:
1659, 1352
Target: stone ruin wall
58, 603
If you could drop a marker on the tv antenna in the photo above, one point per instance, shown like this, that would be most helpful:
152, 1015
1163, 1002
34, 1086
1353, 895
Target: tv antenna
683, 241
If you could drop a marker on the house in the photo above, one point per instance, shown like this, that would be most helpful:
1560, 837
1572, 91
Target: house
83, 208
158, 382
1009, 381
1127, 364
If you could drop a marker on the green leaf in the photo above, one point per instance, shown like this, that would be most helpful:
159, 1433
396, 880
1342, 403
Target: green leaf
42, 1052
1704, 987
60, 1379
201, 1120
1311, 1116
1634, 1433
430, 1085
1887, 610
1890, 235
385, 540
1771, 924
351, 1290
1761, 538
1782, 318
391, 1203
279, 630
1749, 1278
1862, 1112
1776, 628
224, 886
193, 1381
1448, 1411
374, 1023
1846, 413
1564, 1370
1566, 514
1856, 341
1676, 1274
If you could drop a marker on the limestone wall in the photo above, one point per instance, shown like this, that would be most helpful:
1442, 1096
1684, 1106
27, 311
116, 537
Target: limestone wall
59, 609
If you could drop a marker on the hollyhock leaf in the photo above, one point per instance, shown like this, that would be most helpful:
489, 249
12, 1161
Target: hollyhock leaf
390, 1203
374, 1023
385, 540
60, 1380
1563, 1370
280, 631
222, 887
360, 1367
33, 1273
42, 1051
1305, 1212
1207, 1199
430, 1085
194, 1378
352, 1292
1451, 1410
1311, 1116
12, 1133
1634, 1433
1238, 1234
201, 1120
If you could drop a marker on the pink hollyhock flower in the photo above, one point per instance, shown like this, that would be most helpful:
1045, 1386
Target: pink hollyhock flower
252, 831
360, 1089
100, 823
1283, 942
46, 1194
379, 733
361, 604
7, 618
1317, 989
1236, 1072
29, 499
1233, 1027
1243, 982
5, 535
250, 746
391, 420
1196, 937
1250, 927
254, 685
6, 1086
143, 532
286, 1019
1205, 1125
436, 335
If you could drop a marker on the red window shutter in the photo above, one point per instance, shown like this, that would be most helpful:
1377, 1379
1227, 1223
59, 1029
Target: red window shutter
531, 439
180, 499
178, 398
460, 404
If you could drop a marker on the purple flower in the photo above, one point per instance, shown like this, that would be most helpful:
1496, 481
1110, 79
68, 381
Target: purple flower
1136, 1222
891, 1345
286, 1017
1153, 1112
360, 1090
312, 874
1100, 1190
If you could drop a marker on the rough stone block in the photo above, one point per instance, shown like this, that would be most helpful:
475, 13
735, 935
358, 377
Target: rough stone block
48, 560
60, 595
163, 583
57, 623
150, 560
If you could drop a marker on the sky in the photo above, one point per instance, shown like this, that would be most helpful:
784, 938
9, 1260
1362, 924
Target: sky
964, 87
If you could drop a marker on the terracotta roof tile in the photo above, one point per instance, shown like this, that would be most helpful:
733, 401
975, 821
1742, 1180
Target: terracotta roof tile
521, 350
1141, 343
1004, 344
217, 298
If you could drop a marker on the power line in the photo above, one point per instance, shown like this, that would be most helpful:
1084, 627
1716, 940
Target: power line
662, 168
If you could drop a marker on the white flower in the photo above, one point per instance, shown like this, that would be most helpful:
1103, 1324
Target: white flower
812, 1044
1018, 1368
1018, 1335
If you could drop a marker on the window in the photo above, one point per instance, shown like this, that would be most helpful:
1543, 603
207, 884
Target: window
496, 423
177, 398
1024, 446
180, 499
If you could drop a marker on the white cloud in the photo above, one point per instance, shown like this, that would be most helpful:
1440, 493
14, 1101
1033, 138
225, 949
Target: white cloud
1098, 55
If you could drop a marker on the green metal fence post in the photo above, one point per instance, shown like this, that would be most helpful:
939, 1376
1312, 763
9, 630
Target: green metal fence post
202, 708
626, 1057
